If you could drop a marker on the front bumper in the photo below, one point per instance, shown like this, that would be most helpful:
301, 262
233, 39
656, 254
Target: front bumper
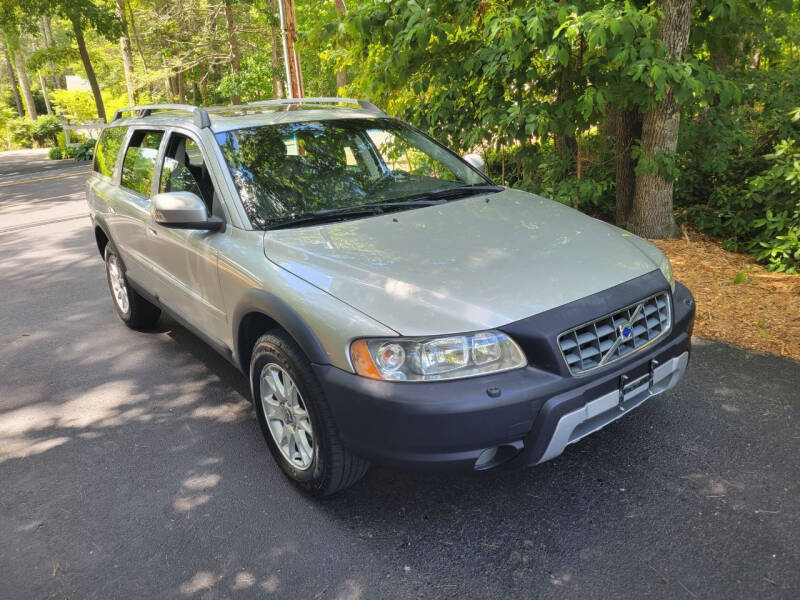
528, 415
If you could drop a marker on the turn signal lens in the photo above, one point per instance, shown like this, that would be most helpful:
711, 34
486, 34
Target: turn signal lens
666, 269
362, 361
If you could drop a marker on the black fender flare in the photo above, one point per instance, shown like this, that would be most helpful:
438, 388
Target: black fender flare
99, 222
278, 310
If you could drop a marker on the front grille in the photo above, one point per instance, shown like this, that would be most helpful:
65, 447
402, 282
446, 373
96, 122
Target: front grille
592, 345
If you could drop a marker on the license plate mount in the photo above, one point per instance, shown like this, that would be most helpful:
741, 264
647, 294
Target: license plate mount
628, 385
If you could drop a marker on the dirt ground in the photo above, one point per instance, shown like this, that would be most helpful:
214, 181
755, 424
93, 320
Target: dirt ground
738, 301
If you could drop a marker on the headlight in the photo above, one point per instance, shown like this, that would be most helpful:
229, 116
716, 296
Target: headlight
431, 359
666, 269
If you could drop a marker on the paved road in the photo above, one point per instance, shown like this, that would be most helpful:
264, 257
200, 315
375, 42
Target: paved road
131, 466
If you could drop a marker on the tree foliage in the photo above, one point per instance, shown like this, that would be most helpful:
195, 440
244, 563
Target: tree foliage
543, 88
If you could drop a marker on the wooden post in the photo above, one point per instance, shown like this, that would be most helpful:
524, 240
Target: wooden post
294, 74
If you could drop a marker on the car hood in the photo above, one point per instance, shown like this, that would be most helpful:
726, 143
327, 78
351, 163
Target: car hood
471, 264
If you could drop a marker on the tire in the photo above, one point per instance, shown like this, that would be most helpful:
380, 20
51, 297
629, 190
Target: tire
315, 460
132, 308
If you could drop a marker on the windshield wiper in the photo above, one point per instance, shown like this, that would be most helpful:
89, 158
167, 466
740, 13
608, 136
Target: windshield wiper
332, 214
460, 191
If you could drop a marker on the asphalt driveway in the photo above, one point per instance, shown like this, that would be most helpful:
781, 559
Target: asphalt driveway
131, 466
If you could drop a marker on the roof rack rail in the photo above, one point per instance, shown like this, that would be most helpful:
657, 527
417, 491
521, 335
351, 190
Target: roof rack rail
200, 115
365, 104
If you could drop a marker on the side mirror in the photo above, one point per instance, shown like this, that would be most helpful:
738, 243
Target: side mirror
183, 210
476, 160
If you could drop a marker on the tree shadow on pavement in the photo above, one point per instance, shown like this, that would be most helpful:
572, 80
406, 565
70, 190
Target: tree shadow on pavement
132, 465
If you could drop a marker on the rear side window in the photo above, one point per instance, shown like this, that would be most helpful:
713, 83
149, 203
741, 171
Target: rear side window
107, 151
140, 161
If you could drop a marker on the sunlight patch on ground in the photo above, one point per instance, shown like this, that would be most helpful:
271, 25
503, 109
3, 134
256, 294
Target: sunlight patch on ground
202, 580
244, 580
23, 430
270, 585
193, 491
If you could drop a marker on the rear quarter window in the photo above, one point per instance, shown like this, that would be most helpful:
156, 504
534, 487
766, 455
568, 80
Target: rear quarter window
107, 151
140, 161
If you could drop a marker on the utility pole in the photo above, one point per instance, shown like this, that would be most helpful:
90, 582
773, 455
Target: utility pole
294, 74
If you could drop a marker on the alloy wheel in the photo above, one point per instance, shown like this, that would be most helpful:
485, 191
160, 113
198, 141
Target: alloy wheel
287, 417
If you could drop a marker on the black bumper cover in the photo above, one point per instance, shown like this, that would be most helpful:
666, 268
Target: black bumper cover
448, 424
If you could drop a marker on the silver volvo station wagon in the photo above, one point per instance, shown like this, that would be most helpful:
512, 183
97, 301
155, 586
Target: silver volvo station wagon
389, 303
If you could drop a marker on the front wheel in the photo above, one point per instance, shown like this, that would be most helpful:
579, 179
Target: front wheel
296, 421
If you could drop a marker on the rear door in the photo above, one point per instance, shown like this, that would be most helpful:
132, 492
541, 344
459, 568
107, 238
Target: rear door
102, 192
133, 205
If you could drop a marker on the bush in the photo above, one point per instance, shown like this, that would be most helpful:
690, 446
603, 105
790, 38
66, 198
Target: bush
46, 129
21, 131
762, 216
56, 153
85, 151
540, 169
740, 169
74, 104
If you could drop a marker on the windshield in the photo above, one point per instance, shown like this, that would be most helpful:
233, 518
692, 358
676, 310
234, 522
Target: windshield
288, 171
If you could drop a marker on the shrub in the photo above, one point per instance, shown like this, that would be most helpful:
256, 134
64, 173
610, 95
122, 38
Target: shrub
540, 169
46, 129
21, 130
762, 216
56, 153
85, 151
74, 104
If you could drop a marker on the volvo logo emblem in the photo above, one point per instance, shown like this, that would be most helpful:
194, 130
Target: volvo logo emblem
624, 333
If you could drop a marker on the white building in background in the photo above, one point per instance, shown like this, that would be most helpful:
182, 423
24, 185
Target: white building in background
74, 82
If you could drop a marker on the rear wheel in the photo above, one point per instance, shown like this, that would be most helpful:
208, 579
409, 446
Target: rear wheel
296, 421
132, 308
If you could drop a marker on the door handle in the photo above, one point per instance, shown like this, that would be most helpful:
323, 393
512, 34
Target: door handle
151, 231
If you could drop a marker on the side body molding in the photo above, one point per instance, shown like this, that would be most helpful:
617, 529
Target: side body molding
278, 310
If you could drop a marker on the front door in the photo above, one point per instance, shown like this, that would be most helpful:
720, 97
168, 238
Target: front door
186, 260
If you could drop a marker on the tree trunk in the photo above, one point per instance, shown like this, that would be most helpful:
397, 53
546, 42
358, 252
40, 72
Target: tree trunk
652, 202
181, 87
44, 94
277, 80
132, 22
233, 45
87, 66
341, 75
721, 60
47, 33
24, 83
127, 53
167, 81
13, 77
628, 130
